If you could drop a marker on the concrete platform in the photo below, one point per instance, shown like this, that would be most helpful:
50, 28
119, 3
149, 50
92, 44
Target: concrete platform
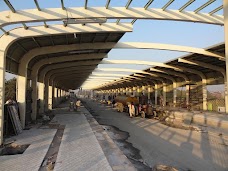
31, 159
79, 149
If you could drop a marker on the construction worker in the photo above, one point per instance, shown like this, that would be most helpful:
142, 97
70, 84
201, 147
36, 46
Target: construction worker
78, 104
131, 108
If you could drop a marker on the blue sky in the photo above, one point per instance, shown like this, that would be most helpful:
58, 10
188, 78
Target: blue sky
171, 32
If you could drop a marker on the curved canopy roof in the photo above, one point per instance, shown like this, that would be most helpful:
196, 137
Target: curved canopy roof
95, 25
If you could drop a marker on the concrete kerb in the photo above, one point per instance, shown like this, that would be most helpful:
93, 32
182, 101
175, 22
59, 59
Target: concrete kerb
114, 155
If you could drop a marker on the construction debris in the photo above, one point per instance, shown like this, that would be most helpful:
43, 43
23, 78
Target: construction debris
163, 168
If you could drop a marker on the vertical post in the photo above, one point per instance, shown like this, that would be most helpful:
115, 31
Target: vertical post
187, 89
127, 91
34, 98
56, 96
174, 93
204, 89
49, 97
21, 96
138, 91
164, 93
60, 94
2, 91
225, 10
46, 94
41, 96
21, 91
134, 91
149, 90
156, 94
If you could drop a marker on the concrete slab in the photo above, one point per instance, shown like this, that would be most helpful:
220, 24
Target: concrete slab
31, 159
79, 149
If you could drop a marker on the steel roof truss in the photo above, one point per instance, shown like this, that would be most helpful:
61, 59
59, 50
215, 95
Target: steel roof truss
216, 10
186, 5
204, 6
128, 4
133, 21
37, 5
86, 4
107, 4
6, 32
45, 24
10, 6
148, 4
62, 4
25, 26
167, 5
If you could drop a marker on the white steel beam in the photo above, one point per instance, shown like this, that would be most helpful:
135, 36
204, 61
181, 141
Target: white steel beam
171, 73
31, 15
203, 64
140, 45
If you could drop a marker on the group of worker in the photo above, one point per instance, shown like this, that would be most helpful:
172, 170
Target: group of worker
74, 105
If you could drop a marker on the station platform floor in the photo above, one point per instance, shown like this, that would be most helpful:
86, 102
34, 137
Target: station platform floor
79, 149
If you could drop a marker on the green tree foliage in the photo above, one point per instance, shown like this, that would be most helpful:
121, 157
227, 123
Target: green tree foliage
10, 89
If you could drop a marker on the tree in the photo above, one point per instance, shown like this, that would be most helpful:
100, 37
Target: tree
10, 89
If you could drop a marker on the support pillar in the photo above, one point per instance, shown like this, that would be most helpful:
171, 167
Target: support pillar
34, 98
187, 87
156, 94
46, 95
2, 95
56, 96
21, 92
41, 96
150, 89
60, 95
21, 97
49, 97
174, 93
225, 10
130, 91
127, 91
164, 93
134, 91
204, 89
138, 91
144, 90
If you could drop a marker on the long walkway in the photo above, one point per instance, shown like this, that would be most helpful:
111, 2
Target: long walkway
79, 149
